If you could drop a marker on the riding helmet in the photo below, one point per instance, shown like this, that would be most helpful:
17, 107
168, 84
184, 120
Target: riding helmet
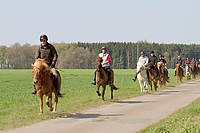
152, 52
103, 48
43, 36
142, 52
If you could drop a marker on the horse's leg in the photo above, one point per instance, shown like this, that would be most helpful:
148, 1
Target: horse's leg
141, 85
103, 92
146, 86
111, 91
55, 105
155, 85
49, 100
97, 86
41, 103
151, 86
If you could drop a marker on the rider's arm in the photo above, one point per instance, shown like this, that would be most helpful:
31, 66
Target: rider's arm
37, 53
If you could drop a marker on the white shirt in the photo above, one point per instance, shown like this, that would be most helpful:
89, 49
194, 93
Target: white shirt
144, 60
105, 57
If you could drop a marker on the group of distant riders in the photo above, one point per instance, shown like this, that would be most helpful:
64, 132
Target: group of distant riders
153, 59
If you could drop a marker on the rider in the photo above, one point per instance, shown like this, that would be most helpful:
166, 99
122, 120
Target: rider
105, 64
187, 62
179, 61
165, 64
143, 59
48, 52
153, 59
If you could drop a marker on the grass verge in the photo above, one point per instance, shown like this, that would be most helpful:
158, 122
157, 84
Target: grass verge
20, 108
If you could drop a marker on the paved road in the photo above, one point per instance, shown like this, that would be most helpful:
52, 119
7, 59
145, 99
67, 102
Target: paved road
126, 116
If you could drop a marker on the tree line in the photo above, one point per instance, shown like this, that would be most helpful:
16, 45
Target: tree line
82, 55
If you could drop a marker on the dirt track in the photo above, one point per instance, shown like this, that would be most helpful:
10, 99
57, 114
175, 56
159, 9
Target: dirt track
126, 116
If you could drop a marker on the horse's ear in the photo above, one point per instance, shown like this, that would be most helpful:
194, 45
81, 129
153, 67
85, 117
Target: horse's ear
32, 65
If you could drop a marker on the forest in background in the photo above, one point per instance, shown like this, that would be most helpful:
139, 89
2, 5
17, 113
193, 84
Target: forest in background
82, 55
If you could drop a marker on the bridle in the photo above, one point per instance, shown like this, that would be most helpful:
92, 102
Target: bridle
40, 77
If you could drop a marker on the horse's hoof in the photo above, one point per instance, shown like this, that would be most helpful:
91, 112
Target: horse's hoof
55, 112
51, 109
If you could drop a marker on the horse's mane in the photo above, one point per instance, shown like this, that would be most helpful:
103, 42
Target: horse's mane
41, 64
141, 65
98, 61
151, 66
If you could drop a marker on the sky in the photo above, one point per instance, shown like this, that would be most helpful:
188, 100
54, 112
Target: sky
69, 21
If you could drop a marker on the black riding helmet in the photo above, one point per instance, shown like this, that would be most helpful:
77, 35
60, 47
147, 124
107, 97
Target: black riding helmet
43, 36
103, 48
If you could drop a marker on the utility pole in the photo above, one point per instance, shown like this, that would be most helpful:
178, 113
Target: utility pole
128, 59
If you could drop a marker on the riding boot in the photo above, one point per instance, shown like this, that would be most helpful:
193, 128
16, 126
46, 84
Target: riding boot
148, 76
110, 79
34, 91
175, 73
134, 79
56, 84
94, 82
166, 73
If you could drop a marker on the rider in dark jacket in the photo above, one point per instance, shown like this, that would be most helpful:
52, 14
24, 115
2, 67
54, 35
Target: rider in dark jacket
48, 52
179, 61
165, 68
153, 59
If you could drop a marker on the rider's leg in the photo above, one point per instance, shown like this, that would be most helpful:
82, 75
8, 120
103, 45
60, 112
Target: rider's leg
109, 76
148, 76
134, 79
34, 91
56, 82
94, 82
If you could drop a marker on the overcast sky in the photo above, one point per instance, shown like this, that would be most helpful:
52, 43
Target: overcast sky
160, 21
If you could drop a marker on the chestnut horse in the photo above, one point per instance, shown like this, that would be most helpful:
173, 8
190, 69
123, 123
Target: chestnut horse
179, 72
153, 75
44, 84
102, 79
160, 66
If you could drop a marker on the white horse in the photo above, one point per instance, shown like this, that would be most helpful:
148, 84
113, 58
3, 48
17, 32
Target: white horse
188, 71
142, 77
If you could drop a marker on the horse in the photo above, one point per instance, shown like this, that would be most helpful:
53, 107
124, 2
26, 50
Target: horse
142, 77
188, 72
153, 75
44, 85
160, 67
102, 79
179, 72
194, 68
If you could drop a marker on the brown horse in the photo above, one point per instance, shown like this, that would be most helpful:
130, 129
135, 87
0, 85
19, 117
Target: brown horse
160, 66
153, 75
102, 79
44, 84
179, 72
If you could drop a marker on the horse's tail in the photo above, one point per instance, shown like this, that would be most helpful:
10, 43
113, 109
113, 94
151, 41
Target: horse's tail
115, 88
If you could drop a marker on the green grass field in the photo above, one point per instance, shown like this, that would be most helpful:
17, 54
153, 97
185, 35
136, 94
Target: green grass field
19, 107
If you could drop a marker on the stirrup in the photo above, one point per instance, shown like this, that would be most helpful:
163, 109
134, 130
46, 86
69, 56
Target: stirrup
93, 83
58, 93
34, 92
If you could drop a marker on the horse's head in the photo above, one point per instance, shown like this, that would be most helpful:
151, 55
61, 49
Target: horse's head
98, 64
160, 65
39, 69
140, 66
151, 66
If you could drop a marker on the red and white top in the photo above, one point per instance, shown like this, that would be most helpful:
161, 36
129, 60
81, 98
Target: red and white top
105, 57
